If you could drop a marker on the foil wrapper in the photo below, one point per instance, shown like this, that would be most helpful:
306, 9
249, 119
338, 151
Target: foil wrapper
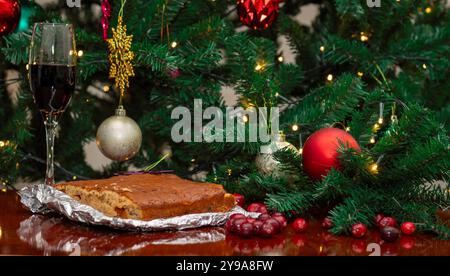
55, 236
43, 199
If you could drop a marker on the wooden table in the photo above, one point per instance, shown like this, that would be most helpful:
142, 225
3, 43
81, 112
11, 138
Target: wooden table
22, 233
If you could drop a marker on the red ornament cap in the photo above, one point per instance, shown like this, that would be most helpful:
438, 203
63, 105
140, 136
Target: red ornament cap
258, 14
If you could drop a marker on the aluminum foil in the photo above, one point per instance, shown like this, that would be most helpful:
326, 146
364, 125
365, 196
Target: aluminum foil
55, 236
44, 199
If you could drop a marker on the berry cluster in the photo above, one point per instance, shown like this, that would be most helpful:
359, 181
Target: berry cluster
387, 226
264, 226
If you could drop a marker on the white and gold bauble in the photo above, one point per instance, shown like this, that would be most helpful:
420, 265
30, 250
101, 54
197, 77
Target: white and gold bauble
265, 160
119, 137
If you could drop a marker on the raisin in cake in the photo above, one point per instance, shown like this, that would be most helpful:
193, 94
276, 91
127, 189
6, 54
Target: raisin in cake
149, 196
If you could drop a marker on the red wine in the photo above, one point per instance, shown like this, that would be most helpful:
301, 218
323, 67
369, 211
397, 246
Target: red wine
52, 86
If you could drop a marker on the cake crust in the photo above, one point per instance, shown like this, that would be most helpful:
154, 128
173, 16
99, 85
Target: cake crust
149, 196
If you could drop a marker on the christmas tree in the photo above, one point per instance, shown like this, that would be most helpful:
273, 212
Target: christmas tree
378, 73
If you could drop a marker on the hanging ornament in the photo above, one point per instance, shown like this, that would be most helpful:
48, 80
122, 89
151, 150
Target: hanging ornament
120, 57
266, 162
106, 14
320, 152
119, 137
9, 16
258, 14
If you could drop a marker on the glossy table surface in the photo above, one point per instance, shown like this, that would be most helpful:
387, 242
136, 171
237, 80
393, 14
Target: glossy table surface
23, 233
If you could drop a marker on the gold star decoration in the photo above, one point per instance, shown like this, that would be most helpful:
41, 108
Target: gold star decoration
120, 57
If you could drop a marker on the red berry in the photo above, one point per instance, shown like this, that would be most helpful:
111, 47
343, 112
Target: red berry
281, 219
390, 234
275, 224
408, 228
251, 220
257, 227
327, 223
264, 217
277, 214
246, 230
300, 225
237, 215
240, 199
267, 230
387, 221
257, 208
236, 225
378, 217
359, 230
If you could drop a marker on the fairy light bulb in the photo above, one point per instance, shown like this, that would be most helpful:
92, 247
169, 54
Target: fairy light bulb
174, 44
372, 140
380, 120
2, 144
424, 66
229, 172
347, 129
74, 177
80, 53
259, 66
364, 37
280, 59
330, 77
374, 168
106, 88
245, 118
360, 74
295, 127
428, 10
322, 48
192, 160
300, 151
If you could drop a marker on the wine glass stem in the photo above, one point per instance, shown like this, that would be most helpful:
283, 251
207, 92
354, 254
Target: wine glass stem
50, 127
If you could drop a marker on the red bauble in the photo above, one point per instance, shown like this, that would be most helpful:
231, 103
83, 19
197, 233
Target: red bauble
258, 14
320, 152
240, 199
9, 16
300, 225
408, 228
359, 230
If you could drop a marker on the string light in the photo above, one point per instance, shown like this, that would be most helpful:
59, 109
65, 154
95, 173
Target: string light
300, 151
376, 127
245, 118
215, 178
424, 66
2, 144
347, 129
229, 172
360, 74
322, 48
428, 10
80, 53
27, 67
280, 59
277, 94
174, 44
193, 160
106, 88
74, 177
259, 66
372, 140
374, 168
364, 37
330, 77
380, 120
1, 233
295, 127
17, 165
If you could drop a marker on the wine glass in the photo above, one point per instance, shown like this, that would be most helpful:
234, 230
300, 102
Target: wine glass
52, 62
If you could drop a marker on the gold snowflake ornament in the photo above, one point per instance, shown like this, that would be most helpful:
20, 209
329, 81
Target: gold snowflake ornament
120, 57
